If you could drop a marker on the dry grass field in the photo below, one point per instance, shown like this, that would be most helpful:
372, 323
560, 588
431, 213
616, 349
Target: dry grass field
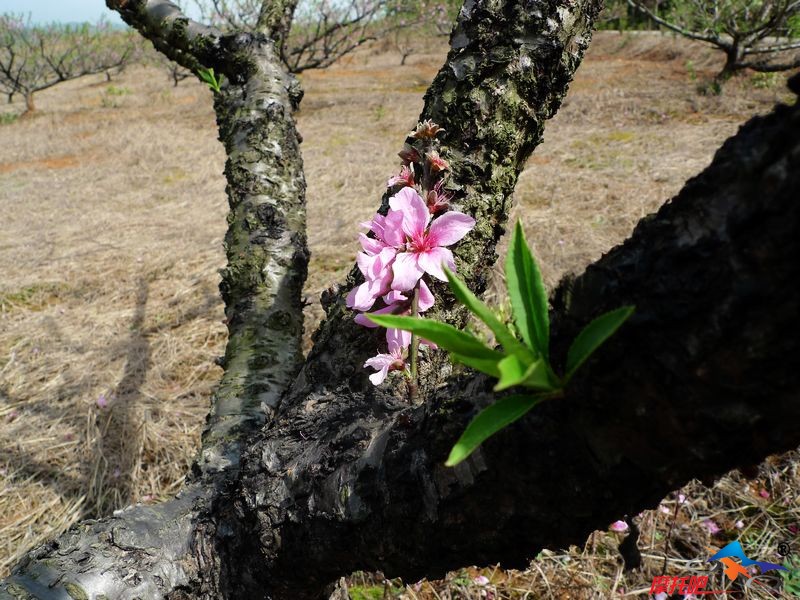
112, 214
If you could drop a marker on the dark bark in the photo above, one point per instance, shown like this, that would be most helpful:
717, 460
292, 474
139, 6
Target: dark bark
304, 478
702, 379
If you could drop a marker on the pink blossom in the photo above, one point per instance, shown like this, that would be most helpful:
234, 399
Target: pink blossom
102, 401
425, 248
383, 363
405, 178
712, 527
375, 262
438, 200
739, 524
764, 493
377, 271
436, 162
398, 303
481, 580
664, 509
681, 498
619, 526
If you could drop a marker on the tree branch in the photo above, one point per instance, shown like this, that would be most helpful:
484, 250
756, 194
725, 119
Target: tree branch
347, 475
764, 67
275, 19
771, 49
188, 43
711, 39
701, 380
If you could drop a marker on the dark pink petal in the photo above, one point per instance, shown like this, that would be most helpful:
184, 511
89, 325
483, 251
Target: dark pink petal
619, 526
432, 261
415, 212
406, 272
449, 228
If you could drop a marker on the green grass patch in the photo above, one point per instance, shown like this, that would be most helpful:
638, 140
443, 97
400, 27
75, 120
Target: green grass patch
8, 118
34, 297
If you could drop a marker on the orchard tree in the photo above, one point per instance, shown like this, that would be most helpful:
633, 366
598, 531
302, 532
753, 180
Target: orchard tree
761, 35
318, 32
36, 57
310, 470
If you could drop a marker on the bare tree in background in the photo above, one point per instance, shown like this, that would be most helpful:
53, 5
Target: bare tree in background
761, 35
308, 472
321, 32
36, 57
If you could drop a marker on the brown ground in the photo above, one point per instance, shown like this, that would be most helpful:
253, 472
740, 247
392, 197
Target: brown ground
112, 212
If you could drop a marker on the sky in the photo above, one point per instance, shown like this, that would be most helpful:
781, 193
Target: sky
64, 11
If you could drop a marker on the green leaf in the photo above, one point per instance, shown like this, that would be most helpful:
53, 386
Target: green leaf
443, 335
484, 365
488, 422
204, 75
514, 371
504, 337
593, 335
208, 76
527, 293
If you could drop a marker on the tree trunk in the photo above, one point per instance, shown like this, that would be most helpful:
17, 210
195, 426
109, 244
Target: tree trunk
308, 472
30, 107
733, 60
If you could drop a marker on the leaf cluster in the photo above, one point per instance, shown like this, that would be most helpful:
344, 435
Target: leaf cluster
518, 362
214, 82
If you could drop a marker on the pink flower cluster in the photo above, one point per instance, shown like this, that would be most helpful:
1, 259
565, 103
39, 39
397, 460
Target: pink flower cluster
406, 245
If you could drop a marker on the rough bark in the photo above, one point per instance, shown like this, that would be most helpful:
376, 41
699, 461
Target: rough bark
148, 552
702, 379
340, 475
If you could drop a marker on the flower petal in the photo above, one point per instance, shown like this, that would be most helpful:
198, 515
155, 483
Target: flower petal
393, 230
432, 261
619, 526
394, 297
365, 263
414, 210
450, 227
426, 298
380, 361
370, 245
377, 378
397, 339
361, 297
362, 319
406, 271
